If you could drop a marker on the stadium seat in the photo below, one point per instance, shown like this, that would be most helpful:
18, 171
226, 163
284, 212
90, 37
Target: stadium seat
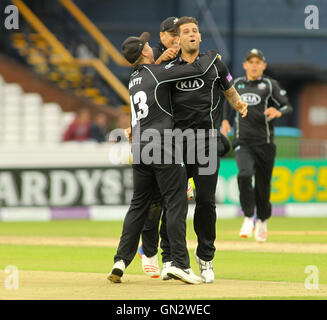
32, 99
25, 120
12, 89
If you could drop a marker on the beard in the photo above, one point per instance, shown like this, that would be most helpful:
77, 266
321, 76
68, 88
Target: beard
192, 50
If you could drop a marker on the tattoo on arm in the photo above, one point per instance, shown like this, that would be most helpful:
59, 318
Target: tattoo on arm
232, 96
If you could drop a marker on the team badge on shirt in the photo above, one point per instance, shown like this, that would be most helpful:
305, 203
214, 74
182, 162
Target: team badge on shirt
169, 65
262, 86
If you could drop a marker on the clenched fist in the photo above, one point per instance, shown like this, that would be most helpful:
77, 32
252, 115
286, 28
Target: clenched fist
242, 108
272, 113
167, 55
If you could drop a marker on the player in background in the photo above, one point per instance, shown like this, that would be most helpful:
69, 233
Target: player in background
253, 143
151, 117
168, 47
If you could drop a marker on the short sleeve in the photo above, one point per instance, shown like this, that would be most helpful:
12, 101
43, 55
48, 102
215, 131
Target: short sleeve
226, 79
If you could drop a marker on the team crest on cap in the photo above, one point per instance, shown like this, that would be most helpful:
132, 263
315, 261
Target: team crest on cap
175, 20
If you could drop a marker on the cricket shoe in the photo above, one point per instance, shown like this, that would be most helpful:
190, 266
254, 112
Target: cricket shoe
261, 231
206, 269
165, 268
117, 272
247, 228
185, 275
190, 192
151, 266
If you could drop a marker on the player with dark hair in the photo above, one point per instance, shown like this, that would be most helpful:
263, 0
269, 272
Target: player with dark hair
195, 107
254, 141
167, 49
151, 115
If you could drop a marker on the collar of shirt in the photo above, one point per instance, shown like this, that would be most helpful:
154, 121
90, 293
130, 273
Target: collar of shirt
181, 60
253, 81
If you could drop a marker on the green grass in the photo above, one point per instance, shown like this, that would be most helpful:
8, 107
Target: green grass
228, 264
281, 224
63, 228
112, 229
234, 265
278, 224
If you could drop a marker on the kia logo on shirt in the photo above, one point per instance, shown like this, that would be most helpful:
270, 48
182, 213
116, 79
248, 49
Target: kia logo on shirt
251, 98
190, 84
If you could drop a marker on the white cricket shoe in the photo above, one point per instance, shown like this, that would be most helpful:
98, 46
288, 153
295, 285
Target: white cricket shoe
185, 275
190, 192
206, 269
247, 228
117, 272
151, 266
261, 230
165, 268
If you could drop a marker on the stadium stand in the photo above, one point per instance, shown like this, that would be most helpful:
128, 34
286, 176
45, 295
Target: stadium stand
65, 54
26, 119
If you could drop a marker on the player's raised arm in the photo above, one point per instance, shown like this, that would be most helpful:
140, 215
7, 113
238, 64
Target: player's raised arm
226, 85
167, 55
235, 101
172, 72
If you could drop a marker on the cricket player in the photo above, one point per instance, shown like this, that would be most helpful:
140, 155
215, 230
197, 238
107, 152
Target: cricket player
195, 105
151, 117
253, 144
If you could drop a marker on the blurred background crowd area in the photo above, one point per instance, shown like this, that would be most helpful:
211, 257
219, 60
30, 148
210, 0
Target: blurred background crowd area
63, 78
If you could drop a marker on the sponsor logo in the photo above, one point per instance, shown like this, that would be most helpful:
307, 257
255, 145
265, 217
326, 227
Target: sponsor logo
241, 86
190, 84
251, 98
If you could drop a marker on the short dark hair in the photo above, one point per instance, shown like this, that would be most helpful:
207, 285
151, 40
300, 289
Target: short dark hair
184, 20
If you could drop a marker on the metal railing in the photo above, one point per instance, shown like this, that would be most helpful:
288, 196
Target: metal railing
66, 56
